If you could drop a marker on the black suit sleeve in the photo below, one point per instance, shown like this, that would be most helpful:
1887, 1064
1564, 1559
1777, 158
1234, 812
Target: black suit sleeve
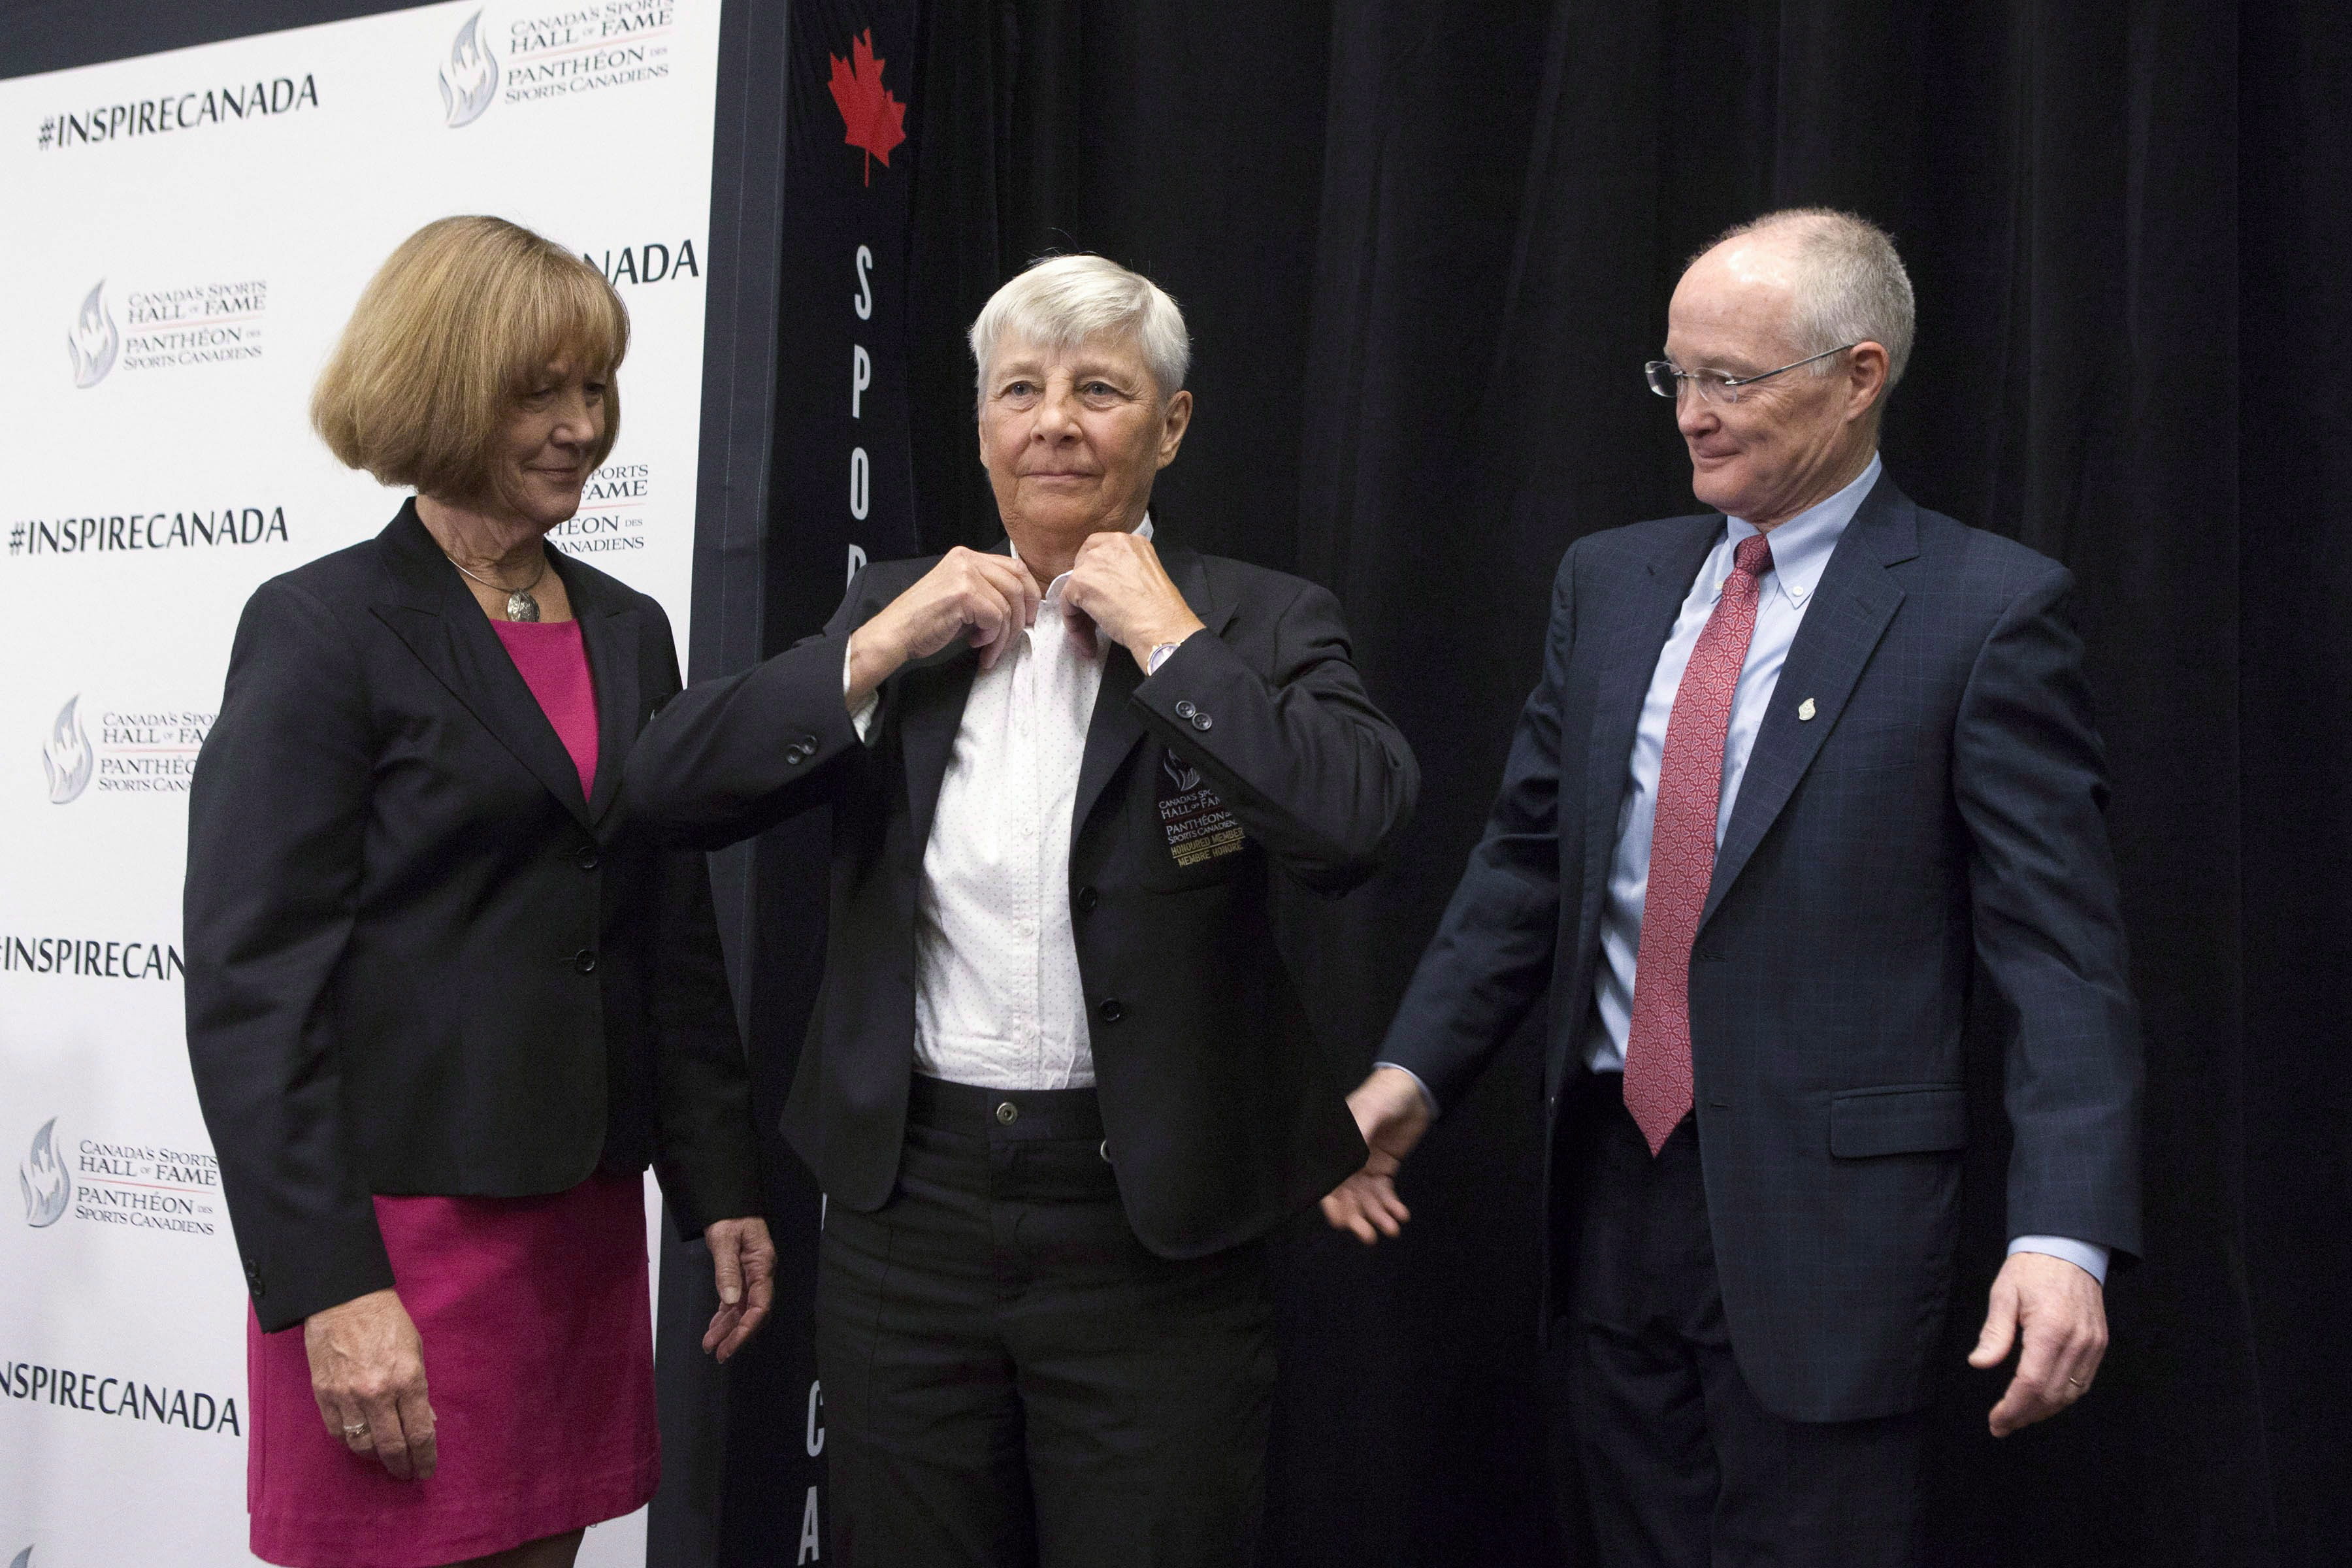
1492, 956
2030, 781
707, 1158
1309, 767
729, 758
276, 818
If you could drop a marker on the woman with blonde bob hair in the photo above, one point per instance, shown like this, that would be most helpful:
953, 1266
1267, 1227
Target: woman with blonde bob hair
448, 994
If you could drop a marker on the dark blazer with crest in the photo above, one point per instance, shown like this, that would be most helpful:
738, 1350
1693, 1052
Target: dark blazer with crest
1221, 1118
418, 961
1943, 804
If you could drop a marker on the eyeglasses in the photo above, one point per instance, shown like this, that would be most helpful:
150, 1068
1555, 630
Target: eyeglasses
1713, 385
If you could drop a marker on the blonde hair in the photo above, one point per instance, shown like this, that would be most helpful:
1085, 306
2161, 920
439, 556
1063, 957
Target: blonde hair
464, 317
1063, 301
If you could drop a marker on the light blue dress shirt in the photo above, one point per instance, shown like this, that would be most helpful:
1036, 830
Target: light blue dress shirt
1800, 552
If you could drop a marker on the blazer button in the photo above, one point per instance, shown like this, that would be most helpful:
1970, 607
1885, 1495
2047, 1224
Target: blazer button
1201, 720
1088, 900
1111, 1012
585, 857
1185, 709
584, 961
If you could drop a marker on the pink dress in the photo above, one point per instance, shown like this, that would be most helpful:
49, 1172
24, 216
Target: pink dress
537, 1333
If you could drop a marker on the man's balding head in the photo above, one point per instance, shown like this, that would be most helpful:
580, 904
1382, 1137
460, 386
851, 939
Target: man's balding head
1845, 281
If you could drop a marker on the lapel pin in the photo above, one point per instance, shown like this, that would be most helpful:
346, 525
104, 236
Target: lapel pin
1805, 708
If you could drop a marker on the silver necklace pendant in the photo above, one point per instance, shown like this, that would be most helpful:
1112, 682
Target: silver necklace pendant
522, 606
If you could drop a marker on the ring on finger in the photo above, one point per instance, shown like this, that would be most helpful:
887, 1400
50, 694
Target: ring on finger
355, 1430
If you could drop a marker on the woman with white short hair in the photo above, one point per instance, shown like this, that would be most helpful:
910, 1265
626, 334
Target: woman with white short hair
1059, 1085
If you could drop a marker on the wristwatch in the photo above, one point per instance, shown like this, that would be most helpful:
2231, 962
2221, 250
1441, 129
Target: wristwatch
1160, 653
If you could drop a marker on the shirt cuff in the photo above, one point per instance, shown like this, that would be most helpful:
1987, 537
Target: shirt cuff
1427, 1098
2088, 1257
861, 718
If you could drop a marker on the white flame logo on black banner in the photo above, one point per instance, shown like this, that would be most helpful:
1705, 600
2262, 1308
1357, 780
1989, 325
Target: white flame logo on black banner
66, 755
48, 1188
93, 340
470, 80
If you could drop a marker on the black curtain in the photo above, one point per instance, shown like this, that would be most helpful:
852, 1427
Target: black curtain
1423, 247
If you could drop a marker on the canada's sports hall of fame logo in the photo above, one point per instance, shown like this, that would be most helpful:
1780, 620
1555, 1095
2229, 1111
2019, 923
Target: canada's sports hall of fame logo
46, 1182
94, 340
469, 80
22, 1560
558, 55
67, 756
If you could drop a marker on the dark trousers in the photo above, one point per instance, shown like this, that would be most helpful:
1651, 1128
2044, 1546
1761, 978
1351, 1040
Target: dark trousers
1681, 1466
1012, 1379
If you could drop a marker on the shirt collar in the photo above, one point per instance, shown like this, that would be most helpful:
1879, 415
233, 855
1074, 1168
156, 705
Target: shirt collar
1802, 546
1053, 589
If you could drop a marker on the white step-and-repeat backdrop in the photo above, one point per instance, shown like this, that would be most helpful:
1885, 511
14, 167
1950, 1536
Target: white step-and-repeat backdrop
181, 238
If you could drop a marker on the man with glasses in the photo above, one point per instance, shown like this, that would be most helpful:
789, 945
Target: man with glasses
1794, 767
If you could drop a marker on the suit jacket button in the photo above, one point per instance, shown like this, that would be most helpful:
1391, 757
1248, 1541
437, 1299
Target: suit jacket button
585, 857
1088, 900
1201, 720
1111, 1012
584, 961
1185, 709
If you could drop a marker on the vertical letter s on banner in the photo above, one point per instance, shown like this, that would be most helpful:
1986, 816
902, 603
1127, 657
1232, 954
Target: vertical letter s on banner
864, 303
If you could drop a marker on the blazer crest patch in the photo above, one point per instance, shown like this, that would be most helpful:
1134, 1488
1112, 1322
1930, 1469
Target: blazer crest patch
1198, 824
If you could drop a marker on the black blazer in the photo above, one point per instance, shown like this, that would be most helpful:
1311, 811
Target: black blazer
1221, 1119
418, 961
1943, 804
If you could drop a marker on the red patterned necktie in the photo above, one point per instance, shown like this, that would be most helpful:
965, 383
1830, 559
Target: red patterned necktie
1682, 852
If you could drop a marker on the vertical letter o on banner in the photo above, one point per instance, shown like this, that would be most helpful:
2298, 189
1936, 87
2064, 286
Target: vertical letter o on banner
858, 483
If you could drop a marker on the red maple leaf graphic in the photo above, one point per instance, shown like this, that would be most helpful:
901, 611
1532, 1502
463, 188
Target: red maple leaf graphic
875, 120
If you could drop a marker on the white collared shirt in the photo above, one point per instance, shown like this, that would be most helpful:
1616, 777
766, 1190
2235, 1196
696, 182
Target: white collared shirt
998, 1001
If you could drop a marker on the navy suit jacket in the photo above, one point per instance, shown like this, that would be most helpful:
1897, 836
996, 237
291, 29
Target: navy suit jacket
1945, 803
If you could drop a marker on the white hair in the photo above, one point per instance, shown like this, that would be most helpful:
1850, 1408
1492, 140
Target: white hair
1851, 286
1063, 301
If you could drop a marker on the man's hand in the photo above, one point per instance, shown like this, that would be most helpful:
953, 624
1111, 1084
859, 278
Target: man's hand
744, 1260
2062, 1313
1118, 583
988, 600
1391, 1115
367, 1372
